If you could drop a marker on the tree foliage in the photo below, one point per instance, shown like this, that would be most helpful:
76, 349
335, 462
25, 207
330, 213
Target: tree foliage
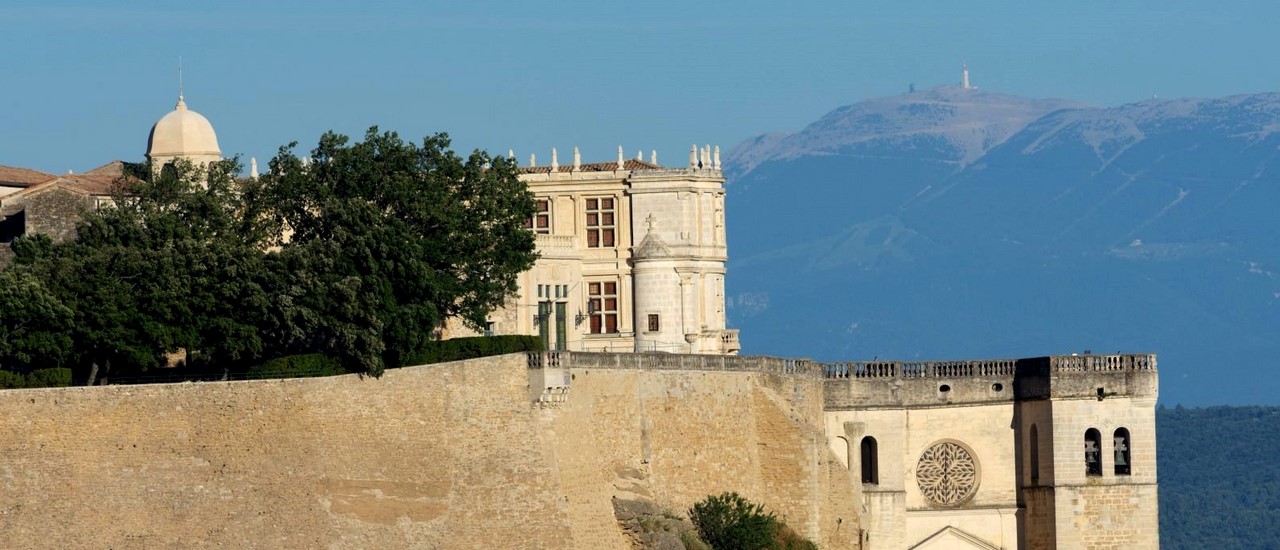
387, 237
357, 255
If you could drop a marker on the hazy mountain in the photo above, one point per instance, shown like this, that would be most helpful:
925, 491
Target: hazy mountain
961, 223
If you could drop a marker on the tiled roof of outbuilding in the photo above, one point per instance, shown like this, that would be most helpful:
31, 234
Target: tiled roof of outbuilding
12, 176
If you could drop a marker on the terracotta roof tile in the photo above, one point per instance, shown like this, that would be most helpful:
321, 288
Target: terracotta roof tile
12, 176
113, 168
629, 164
93, 184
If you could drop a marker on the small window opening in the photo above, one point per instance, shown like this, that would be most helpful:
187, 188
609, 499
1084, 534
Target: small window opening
997, 387
944, 388
1093, 452
870, 461
1122, 458
1035, 455
653, 322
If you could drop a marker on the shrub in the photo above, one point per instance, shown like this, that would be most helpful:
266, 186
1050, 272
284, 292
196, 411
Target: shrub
10, 380
297, 366
692, 542
788, 539
730, 522
459, 349
49, 378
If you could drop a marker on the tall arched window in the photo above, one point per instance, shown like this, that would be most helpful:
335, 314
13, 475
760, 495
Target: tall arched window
1035, 455
1093, 452
870, 461
1121, 442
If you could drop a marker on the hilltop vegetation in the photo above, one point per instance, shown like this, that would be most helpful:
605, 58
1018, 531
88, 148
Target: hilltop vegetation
356, 255
1219, 477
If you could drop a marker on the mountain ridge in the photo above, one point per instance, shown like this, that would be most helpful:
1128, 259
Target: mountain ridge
1144, 226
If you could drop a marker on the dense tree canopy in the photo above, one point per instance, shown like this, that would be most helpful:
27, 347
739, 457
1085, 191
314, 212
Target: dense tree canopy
386, 238
357, 254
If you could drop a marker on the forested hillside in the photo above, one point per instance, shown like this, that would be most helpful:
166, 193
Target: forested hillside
1219, 477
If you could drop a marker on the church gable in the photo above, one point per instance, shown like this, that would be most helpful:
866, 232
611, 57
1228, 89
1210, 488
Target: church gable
950, 538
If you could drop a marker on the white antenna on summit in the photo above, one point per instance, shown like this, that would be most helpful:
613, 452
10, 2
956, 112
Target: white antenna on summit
964, 77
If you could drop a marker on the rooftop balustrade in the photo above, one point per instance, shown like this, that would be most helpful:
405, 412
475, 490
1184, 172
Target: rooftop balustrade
848, 370
983, 367
669, 361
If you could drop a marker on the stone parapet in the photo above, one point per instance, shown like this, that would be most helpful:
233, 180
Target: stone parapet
854, 384
672, 361
918, 369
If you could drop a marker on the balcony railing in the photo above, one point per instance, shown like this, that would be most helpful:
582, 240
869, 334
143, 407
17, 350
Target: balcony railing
556, 242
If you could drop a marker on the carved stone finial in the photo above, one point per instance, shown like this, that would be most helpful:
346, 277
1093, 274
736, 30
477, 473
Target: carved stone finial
706, 157
555, 162
653, 157
715, 160
533, 160
253, 168
511, 154
693, 156
577, 160
621, 162
640, 154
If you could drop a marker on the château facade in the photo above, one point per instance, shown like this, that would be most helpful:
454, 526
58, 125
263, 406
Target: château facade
631, 258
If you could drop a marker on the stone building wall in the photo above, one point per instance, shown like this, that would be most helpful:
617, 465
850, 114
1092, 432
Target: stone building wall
447, 456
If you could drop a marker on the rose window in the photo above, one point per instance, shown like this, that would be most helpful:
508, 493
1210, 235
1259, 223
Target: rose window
947, 474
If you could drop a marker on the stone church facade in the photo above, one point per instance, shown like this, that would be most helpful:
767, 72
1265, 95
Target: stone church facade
1048, 452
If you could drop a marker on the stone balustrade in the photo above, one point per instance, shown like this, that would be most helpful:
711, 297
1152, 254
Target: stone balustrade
670, 361
983, 367
729, 341
848, 370
556, 242
1103, 363
918, 369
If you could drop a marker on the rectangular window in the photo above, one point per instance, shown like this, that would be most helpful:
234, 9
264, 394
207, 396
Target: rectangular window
541, 220
562, 327
600, 222
603, 303
543, 321
653, 322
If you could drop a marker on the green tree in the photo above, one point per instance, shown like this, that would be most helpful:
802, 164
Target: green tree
383, 238
34, 323
175, 262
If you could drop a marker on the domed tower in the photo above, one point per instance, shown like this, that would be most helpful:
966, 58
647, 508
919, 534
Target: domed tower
182, 133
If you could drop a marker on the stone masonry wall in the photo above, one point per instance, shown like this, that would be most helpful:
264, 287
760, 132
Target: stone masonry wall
445, 456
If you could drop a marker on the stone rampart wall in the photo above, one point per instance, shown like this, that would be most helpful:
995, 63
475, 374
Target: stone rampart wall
446, 456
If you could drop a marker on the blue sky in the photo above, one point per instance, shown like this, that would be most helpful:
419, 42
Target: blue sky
82, 82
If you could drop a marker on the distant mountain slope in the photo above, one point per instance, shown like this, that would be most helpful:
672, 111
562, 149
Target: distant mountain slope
953, 123
956, 223
1219, 480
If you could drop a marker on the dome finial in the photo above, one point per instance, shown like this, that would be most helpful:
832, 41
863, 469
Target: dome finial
181, 104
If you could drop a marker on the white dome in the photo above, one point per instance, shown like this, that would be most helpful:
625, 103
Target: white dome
183, 133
